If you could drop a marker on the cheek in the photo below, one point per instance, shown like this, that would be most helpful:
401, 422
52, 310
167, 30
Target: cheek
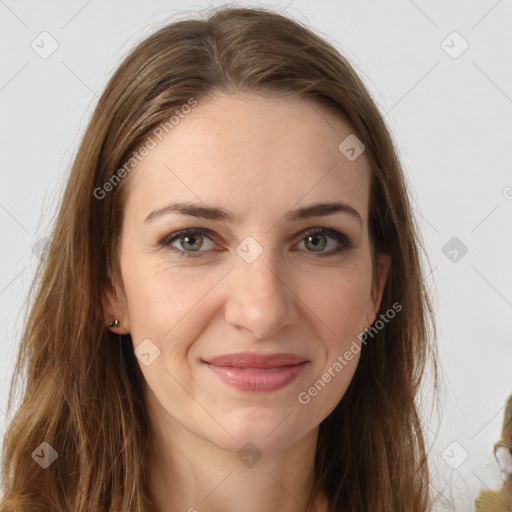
340, 301
340, 307
164, 301
163, 298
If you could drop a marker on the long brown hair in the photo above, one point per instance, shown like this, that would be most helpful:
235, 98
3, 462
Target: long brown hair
83, 391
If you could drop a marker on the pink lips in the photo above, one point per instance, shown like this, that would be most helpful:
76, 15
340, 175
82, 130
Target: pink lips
257, 372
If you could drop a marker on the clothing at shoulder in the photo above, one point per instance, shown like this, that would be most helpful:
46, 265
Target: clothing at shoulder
494, 501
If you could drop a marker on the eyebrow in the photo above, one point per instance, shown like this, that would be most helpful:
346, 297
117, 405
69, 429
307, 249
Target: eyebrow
220, 214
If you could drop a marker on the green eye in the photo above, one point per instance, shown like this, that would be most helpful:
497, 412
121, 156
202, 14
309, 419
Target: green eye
191, 241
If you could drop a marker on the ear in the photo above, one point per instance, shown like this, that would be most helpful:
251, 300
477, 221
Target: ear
114, 306
379, 283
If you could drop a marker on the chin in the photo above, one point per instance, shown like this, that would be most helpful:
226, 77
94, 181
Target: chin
272, 432
258, 442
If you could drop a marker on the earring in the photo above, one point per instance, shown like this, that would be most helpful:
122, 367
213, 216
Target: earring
115, 323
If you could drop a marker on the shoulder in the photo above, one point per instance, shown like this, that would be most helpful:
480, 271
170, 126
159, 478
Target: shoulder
492, 501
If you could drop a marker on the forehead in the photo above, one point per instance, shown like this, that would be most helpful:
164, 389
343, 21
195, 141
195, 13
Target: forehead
256, 155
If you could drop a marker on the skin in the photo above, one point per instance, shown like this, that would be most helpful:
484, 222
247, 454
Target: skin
258, 156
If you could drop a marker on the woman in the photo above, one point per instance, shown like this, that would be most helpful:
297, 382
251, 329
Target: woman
232, 312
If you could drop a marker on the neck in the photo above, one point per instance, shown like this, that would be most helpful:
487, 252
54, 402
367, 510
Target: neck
191, 474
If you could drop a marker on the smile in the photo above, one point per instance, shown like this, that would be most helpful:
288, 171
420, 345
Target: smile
257, 373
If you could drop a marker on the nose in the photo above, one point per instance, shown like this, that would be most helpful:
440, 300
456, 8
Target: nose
260, 298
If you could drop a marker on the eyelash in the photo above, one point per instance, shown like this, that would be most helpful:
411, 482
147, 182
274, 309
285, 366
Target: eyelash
345, 242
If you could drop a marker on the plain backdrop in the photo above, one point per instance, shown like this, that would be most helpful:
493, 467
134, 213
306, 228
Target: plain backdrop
440, 71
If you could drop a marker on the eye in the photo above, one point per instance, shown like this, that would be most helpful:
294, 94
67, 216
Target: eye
317, 240
188, 242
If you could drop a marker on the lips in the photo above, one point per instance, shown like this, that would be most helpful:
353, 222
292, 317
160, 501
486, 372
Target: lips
257, 372
257, 361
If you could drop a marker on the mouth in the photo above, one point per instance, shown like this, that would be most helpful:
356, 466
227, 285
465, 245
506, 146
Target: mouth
257, 372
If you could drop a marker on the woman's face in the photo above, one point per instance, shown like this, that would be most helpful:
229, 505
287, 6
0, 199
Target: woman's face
248, 277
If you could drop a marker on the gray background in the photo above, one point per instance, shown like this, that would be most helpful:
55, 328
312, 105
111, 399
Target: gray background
450, 118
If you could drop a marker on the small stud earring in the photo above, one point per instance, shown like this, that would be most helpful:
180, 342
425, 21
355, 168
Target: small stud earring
115, 323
